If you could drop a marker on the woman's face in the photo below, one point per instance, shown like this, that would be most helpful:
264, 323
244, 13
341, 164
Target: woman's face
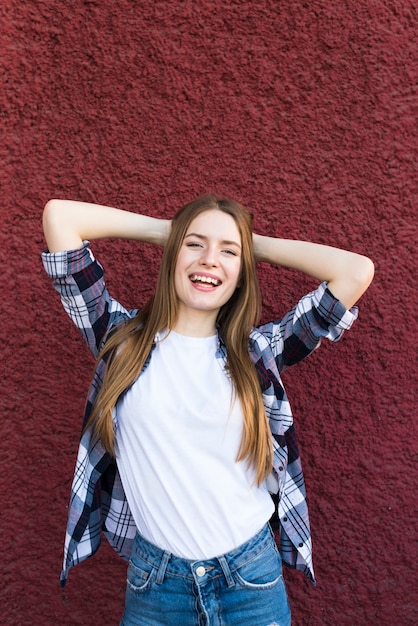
208, 266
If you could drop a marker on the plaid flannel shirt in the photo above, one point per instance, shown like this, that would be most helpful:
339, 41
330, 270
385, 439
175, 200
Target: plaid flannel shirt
98, 502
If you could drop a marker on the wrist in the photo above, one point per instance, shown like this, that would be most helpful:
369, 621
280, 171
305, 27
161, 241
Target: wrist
260, 248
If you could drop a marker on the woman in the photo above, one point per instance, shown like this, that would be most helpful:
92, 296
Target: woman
188, 439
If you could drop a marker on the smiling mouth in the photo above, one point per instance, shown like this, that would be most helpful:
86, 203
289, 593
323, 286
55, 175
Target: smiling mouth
206, 280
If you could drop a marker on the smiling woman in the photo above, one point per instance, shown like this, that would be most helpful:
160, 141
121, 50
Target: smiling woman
207, 271
188, 432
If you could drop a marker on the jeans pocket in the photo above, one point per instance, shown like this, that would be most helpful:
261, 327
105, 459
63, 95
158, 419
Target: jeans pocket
264, 571
140, 576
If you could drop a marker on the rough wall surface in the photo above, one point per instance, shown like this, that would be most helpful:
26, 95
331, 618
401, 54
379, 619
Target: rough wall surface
307, 113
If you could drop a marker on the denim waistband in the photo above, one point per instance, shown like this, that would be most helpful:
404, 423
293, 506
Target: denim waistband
222, 565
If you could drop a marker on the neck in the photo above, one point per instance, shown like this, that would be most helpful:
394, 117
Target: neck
196, 324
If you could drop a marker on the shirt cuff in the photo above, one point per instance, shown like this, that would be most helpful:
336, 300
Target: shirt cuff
61, 264
332, 310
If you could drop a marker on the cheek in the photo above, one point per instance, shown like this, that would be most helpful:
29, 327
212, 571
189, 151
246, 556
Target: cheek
182, 263
177, 282
179, 267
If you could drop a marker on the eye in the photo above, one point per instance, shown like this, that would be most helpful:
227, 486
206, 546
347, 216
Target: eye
193, 244
229, 251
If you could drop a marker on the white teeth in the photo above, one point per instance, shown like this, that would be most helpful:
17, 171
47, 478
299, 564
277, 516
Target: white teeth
205, 279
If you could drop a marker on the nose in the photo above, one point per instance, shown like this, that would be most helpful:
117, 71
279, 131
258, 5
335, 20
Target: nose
209, 257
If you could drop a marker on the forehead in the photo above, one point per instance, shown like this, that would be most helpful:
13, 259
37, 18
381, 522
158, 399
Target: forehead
215, 223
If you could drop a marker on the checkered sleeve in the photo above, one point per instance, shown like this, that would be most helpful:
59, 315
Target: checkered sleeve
97, 503
317, 315
79, 279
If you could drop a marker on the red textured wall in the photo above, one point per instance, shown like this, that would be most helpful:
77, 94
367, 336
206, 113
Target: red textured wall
304, 111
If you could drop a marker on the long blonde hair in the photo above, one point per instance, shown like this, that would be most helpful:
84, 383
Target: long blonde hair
127, 348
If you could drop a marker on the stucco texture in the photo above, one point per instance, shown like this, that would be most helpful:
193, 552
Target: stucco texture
307, 113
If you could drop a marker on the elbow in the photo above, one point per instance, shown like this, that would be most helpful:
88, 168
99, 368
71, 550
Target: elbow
53, 206
50, 212
56, 226
57, 213
362, 276
353, 280
366, 271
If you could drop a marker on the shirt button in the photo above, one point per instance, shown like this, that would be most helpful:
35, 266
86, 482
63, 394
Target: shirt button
201, 571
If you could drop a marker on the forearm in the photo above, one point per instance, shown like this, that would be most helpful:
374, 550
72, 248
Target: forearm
67, 223
348, 274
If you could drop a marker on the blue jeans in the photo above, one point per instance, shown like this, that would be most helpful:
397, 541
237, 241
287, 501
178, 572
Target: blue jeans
243, 587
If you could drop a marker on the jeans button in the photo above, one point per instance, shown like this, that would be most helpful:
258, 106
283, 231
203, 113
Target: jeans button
201, 571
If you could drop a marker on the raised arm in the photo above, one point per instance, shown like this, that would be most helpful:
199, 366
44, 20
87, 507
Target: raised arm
348, 274
67, 223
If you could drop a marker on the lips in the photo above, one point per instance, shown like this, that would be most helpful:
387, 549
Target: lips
205, 280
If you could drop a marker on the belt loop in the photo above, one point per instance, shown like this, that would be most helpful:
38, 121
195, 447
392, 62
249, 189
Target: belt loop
227, 572
162, 568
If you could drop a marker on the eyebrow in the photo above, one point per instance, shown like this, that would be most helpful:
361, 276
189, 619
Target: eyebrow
224, 242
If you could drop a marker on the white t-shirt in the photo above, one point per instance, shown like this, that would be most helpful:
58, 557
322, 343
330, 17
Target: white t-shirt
178, 436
